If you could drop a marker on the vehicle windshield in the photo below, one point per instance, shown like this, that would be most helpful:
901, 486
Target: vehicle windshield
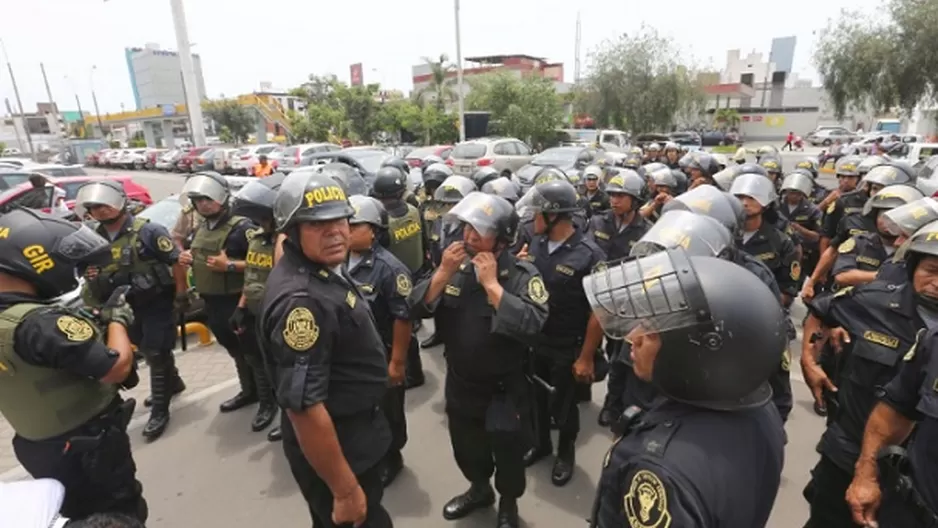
370, 160
556, 156
165, 212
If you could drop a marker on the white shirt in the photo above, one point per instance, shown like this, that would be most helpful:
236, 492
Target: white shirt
32, 504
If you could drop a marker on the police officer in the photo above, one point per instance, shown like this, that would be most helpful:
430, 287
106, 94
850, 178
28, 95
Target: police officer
145, 258
802, 215
385, 282
766, 150
710, 356
906, 220
484, 175
327, 358
404, 168
699, 167
442, 233
724, 178
433, 176
564, 351
407, 242
901, 491
256, 201
615, 231
597, 199
503, 188
487, 302
860, 257
62, 402
773, 168
218, 252
672, 155
653, 153
526, 231
873, 325
664, 186
820, 192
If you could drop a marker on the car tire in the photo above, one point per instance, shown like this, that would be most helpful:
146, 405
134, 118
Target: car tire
826, 143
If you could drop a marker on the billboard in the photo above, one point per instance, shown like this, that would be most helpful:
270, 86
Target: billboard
783, 53
355, 71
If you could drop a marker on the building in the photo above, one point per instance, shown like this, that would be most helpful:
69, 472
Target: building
44, 131
519, 65
156, 76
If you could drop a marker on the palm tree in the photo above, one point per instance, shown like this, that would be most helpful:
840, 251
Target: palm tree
441, 85
727, 117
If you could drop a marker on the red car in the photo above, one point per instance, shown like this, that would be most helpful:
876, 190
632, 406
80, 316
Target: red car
415, 157
185, 163
20, 195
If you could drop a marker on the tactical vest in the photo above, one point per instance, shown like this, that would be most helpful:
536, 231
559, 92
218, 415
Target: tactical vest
41, 402
258, 265
209, 243
127, 268
407, 238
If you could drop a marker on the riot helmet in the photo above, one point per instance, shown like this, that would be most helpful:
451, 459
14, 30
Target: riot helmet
847, 166
368, 210
256, 199
699, 161
809, 164
869, 162
928, 186
772, 166
309, 197
720, 160
432, 159
632, 161
909, 218
100, 192
628, 182
504, 188
766, 150
45, 251
484, 175
710, 201
700, 235
653, 166
593, 172
740, 156
552, 197
664, 178
724, 178
389, 183
891, 197
756, 187
550, 174
398, 163
436, 173
885, 175
209, 184
752, 168
489, 215
347, 176
799, 182
454, 189
718, 345
653, 147
923, 243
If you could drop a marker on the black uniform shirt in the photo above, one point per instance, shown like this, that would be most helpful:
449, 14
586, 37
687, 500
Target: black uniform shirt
805, 214
776, 250
882, 322
893, 271
322, 346
863, 251
598, 202
845, 206
616, 240
56, 338
385, 282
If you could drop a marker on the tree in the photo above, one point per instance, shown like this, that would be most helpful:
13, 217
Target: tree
529, 109
884, 63
636, 83
441, 85
727, 117
239, 120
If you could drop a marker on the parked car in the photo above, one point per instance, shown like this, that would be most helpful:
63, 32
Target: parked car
112, 158
643, 140
504, 154
222, 158
292, 156
247, 157
415, 157
717, 138
366, 161
152, 156
355, 183
568, 159
131, 158
690, 140
184, 164
70, 185
203, 162
18, 162
167, 161
58, 170
826, 136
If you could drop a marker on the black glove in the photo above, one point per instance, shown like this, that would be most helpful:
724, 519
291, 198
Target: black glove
132, 379
237, 319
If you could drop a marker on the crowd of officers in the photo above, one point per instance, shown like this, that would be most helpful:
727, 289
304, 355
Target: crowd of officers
627, 271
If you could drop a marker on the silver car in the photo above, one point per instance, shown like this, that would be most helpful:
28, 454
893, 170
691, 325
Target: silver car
504, 154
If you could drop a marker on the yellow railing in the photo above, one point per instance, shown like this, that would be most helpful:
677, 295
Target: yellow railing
270, 109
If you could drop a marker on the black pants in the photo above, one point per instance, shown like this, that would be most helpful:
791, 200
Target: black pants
318, 495
781, 390
393, 407
556, 367
218, 310
154, 334
98, 481
618, 374
480, 454
826, 494
251, 348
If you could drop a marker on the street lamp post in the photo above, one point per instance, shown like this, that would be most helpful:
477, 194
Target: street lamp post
81, 114
459, 85
94, 99
193, 105
19, 102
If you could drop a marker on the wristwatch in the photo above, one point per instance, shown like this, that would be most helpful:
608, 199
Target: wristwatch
231, 267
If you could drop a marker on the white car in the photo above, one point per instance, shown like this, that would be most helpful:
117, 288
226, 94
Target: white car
246, 158
132, 158
293, 155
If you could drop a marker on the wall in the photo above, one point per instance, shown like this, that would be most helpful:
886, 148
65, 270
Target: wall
156, 77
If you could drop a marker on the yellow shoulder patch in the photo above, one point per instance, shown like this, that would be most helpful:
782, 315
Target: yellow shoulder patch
75, 329
795, 270
537, 291
646, 504
847, 246
300, 331
910, 355
164, 244
404, 286
843, 291
832, 207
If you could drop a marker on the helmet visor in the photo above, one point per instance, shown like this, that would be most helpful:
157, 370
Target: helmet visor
290, 197
699, 235
454, 189
755, 186
205, 187
477, 210
644, 295
97, 193
908, 218
84, 246
531, 203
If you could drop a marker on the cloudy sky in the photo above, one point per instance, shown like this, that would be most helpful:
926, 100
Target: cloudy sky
245, 42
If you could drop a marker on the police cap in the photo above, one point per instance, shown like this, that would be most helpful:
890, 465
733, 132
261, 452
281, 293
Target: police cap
310, 197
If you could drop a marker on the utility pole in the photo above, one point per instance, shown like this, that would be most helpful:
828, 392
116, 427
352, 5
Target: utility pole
765, 81
19, 102
55, 108
576, 52
19, 139
459, 85
94, 99
193, 104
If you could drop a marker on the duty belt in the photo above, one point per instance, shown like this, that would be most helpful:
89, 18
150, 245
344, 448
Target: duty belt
895, 473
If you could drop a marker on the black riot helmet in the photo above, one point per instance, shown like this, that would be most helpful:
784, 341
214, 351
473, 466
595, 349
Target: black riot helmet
488, 215
628, 182
100, 192
430, 160
891, 197
309, 197
348, 177
45, 251
208, 184
454, 189
719, 345
436, 174
700, 235
484, 175
909, 218
551, 197
389, 182
710, 201
504, 188
368, 210
256, 199
398, 163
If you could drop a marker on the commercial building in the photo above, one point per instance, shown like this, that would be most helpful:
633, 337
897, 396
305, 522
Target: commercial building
156, 76
44, 131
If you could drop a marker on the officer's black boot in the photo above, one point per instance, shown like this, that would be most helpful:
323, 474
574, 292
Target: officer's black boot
178, 386
275, 434
431, 341
159, 411
508, 513
415, 377
543, 446
267, 410
393, 464
480, 495
248, 393
564, 463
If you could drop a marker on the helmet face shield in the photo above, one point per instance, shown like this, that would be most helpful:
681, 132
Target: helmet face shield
907, 219
755, 186
699, 235
84, 246
201, 186
97, 193
476, 210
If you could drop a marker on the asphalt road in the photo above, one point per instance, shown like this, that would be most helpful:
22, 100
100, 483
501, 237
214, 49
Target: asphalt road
209, 470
